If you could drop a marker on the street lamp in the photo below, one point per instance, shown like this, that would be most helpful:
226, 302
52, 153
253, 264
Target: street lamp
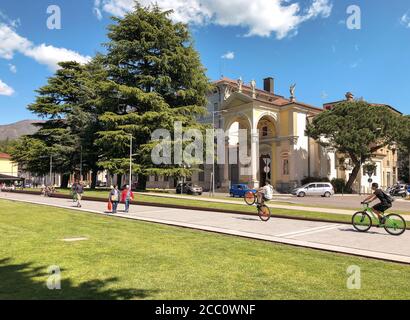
213, 162
51, 166
131, 155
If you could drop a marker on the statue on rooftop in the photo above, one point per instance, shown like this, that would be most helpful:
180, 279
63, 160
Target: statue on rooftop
240, 84
292, 92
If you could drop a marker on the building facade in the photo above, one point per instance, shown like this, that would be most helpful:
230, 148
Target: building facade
7, 167
277, 147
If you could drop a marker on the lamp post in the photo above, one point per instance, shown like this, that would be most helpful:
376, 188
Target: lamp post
213, 162
51, 169
81, 163
131, 155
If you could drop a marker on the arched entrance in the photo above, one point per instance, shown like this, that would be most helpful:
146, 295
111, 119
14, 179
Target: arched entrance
235, 171
267, 150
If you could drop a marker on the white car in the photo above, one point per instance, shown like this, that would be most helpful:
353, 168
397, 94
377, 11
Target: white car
323, 189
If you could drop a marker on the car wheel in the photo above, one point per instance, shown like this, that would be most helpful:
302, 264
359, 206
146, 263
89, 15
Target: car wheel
232, 195
301, 194
327, 195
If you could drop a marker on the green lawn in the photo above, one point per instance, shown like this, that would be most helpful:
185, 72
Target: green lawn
125, 259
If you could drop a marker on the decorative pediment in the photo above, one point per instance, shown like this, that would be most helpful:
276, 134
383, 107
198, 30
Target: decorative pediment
236, 99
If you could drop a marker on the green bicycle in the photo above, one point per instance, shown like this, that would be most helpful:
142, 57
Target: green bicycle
394, 224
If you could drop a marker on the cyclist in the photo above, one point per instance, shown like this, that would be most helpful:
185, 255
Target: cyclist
383, 206
265, 193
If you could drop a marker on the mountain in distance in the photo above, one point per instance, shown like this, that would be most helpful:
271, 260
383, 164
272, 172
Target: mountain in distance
16, 130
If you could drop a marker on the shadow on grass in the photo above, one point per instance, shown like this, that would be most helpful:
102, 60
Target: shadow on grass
27, 282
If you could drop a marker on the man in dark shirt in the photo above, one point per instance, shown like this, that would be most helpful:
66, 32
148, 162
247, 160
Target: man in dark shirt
384, 204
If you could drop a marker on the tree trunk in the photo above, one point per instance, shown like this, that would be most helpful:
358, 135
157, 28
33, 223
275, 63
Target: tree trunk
142, 182
353, 176
64, 181
94, 179
119, 181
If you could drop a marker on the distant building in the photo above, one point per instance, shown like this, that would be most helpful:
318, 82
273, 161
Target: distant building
7, 167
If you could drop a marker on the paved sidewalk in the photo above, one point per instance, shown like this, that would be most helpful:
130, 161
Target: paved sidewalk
271, 204
334, 237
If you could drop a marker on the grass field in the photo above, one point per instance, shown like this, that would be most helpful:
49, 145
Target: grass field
135, 260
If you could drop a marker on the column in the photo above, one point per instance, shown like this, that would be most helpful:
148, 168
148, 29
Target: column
226, 182
273, 165
255, 157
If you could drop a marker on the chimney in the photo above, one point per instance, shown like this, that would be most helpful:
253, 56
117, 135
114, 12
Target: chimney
268, 84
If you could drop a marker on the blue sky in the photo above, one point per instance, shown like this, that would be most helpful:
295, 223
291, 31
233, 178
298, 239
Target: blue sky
305, 42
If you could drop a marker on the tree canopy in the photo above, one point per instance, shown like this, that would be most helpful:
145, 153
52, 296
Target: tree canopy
357, 129
150, 77
158, 79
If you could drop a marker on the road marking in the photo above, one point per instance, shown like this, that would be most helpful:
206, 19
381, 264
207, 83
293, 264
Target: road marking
317, 231
309, 231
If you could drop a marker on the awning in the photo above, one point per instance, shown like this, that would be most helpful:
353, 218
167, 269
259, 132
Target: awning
4, 177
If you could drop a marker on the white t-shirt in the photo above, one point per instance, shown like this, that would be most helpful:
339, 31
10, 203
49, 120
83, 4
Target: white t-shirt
268, 191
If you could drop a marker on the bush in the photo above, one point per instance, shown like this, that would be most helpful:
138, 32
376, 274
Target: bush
340, 186
307, 180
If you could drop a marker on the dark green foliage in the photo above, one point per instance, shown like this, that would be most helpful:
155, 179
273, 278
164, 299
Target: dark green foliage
6, 146
157, 79
357, 129
340, 186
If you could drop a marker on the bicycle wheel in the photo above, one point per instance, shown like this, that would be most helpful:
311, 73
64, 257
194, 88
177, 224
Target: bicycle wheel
264, 213
250, 198
395, 224
361, 221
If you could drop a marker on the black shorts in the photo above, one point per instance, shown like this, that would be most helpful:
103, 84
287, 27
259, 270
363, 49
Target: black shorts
382, 207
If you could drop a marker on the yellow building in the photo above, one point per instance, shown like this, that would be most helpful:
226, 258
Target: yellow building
7, 167
277, 148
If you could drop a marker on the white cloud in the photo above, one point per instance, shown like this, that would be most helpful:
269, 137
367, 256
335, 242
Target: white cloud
5, 90
11, 42
405, 20
229, 55
51, 56
259, 17
12, 68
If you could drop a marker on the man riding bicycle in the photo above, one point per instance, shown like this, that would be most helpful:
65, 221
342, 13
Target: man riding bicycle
383, 206
265, 193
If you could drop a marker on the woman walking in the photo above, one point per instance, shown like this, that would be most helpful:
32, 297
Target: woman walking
126, 196
115, 198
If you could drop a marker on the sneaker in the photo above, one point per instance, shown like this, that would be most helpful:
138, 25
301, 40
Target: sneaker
382, 221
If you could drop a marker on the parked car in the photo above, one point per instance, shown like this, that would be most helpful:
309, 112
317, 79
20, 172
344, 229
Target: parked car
189, 188
239, 190
323, 189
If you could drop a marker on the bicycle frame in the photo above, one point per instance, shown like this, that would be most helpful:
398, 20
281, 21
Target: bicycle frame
370, 211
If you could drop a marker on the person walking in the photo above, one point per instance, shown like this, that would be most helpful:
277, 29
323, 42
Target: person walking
126, 196
115, 198
73, 191
79, 191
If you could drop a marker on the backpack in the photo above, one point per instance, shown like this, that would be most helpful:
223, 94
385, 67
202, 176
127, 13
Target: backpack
388, 197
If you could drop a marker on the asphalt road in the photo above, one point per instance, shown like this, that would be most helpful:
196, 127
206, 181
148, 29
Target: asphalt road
337, 201
342, 202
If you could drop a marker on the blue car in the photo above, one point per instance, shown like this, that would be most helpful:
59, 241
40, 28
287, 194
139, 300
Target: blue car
239, 190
